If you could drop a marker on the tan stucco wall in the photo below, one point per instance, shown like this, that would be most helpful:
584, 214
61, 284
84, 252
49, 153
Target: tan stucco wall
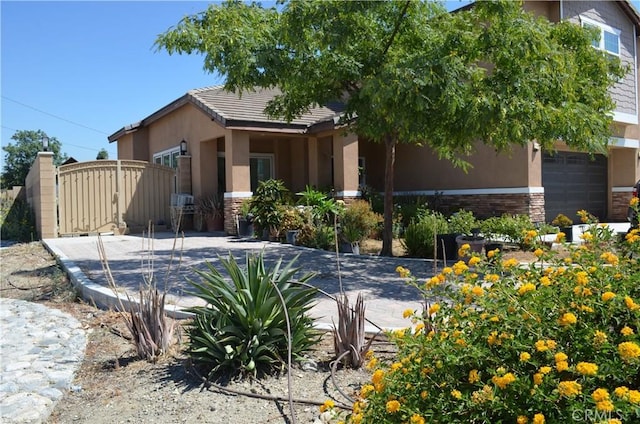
194, 126
40, 186
623, 167
125, 147
418, 168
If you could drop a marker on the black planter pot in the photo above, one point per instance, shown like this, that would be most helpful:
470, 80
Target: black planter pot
493, 246
245, 228
447, 247
291, 236
568, 233
476, 244
346, 247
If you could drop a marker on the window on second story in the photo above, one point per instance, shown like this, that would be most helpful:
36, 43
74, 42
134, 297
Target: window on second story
609, 38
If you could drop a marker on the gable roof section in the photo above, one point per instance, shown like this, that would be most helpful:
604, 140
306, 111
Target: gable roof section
243, 112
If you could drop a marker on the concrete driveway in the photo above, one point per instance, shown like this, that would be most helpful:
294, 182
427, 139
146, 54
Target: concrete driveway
386, 295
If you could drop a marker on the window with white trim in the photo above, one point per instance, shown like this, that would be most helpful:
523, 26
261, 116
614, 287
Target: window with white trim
261, 168
609, 39
167, 157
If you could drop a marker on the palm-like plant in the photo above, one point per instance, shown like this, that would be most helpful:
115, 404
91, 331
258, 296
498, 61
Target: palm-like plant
243, 328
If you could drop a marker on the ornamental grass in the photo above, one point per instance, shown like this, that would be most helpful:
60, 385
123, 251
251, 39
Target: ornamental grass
554, 341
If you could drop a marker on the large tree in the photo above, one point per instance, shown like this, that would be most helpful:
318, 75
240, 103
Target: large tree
20, 156
410, 72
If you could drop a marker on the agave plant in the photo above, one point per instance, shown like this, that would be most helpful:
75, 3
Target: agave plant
243, 327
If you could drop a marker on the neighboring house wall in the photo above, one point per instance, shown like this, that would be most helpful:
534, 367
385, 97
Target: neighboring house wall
609, 13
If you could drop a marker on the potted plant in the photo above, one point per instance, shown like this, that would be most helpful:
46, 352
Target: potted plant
356, 223
265, 205
290, 223
565, 224
211, 210
245, 219
475, 241
461, 222
495, 232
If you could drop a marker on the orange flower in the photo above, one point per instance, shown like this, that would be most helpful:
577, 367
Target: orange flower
393, 406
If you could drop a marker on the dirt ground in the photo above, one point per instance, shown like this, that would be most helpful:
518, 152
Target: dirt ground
112, 385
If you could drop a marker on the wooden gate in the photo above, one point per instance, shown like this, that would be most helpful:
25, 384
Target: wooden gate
109, 195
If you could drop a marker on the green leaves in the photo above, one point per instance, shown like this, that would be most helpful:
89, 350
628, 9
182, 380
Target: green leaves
409, 72
243, 329
20, 156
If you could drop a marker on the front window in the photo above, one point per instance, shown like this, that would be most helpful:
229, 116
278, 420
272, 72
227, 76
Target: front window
261, 168
167, 157
608, 39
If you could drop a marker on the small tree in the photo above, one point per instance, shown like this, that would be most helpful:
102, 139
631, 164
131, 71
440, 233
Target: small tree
20, 156
102, 154
410, 72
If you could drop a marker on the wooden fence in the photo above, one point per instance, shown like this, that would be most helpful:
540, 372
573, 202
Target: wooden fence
98, 196
109, 195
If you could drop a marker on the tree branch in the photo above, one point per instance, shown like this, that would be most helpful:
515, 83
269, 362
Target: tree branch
396, 29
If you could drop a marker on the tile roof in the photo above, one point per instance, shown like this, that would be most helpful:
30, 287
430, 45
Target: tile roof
245, 111
250, 106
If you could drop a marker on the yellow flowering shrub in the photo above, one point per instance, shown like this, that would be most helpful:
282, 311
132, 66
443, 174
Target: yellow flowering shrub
515, 343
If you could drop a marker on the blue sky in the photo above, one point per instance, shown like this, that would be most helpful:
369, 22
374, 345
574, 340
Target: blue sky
79, 71
93, 66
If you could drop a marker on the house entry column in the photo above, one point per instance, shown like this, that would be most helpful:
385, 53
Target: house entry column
238, 177
312, 143
345, 165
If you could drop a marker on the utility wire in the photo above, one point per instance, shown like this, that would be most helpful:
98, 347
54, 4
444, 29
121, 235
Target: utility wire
63, 143
52, 115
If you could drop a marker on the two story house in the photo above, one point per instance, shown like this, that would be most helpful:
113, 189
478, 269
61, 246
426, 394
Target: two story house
232, 145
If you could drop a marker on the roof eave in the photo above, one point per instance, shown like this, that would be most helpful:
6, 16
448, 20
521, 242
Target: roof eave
127, 129
631, 12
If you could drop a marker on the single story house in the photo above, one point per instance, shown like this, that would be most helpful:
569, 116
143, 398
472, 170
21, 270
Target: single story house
231, 145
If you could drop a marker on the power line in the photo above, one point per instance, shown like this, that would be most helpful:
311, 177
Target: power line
63, 143
54, 116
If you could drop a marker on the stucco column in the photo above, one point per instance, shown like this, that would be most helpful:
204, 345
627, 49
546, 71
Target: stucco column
183, 175
41, 194
345, 165
238, 176
312, 143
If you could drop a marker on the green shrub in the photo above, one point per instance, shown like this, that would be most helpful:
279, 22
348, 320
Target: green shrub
358, 221
243, 329
544, 343
419, 236
317, 237
323, 208
17, 221
410, 208
462, 222
509, 228
291, 219
266, 202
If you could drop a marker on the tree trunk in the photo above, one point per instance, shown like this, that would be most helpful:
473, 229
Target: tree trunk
390, 159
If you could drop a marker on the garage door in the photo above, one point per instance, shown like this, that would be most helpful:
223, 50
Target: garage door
574, 181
